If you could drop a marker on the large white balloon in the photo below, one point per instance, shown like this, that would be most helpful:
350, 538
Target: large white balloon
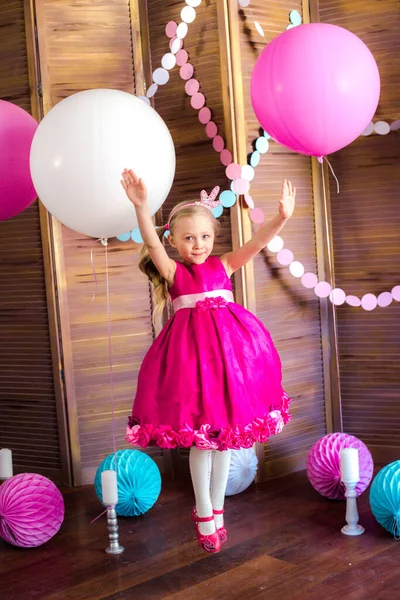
242, 471
80, 150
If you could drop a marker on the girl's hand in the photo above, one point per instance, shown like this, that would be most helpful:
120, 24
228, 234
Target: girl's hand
135, 188
286, 203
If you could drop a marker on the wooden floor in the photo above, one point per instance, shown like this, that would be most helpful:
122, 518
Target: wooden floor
285, 544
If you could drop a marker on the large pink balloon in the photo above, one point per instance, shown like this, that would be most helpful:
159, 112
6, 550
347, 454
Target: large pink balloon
17, 129
315, 88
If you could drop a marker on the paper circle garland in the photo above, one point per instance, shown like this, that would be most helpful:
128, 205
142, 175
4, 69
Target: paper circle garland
323, 465
138, 481
31, 510
242, 471
384, 498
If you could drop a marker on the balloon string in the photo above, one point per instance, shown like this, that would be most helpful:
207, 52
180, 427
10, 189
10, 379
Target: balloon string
333, 173
105, 244
103, 513
94, 275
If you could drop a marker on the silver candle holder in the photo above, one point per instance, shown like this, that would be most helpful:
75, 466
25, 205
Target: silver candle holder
113, 535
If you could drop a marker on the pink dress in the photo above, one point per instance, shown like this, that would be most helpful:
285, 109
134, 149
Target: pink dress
212, 378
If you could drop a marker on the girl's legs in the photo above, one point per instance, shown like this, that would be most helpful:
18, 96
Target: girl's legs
219, 480
200, 471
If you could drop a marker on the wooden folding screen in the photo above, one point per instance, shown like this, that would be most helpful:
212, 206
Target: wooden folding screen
116, 44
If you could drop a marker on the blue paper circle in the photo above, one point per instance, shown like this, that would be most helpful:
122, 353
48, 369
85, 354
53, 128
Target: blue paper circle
255, 159
138, 481
266, 135
262, 145
124, 237
217, 211
228, 198
136, 236
295, 17
384, 497
166, 233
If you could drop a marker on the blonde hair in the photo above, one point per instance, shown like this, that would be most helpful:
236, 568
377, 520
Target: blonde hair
162, 297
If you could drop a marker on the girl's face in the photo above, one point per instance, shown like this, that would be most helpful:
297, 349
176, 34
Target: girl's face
193, 237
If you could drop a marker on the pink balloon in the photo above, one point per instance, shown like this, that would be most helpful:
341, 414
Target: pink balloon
17, 129
315, 88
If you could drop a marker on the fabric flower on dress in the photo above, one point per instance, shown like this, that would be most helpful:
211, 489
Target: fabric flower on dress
166, 438
132, 434
132, 421
276, 421
211, 303
185, 436
261, 430
210, 437
202, 439
224, 439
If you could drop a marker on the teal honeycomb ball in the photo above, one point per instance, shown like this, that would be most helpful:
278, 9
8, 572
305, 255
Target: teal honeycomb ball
138, 481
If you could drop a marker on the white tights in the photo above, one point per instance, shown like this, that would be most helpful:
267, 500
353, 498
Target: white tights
209, 470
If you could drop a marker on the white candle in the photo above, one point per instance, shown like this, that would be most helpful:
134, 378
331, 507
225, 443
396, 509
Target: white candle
6, 467
109, 487
349, 467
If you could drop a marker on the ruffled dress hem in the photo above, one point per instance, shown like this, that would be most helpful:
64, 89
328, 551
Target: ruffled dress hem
210, 437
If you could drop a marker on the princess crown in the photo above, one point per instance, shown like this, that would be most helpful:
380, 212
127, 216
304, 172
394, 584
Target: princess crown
207, 201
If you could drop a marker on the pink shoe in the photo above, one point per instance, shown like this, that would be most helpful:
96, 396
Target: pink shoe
223, 536
210, 543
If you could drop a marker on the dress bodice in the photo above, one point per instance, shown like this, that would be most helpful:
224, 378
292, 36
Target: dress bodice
195, 279
194, 283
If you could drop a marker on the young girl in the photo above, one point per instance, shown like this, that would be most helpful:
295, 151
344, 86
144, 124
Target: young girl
211, 381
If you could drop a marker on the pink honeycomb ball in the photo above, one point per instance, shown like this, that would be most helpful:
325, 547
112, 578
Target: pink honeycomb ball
323, 465
31, 510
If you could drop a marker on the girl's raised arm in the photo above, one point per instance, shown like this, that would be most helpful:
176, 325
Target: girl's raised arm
137, 193
238, 258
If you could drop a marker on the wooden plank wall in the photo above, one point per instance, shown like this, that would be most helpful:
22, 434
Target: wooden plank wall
365, 224
28, 416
